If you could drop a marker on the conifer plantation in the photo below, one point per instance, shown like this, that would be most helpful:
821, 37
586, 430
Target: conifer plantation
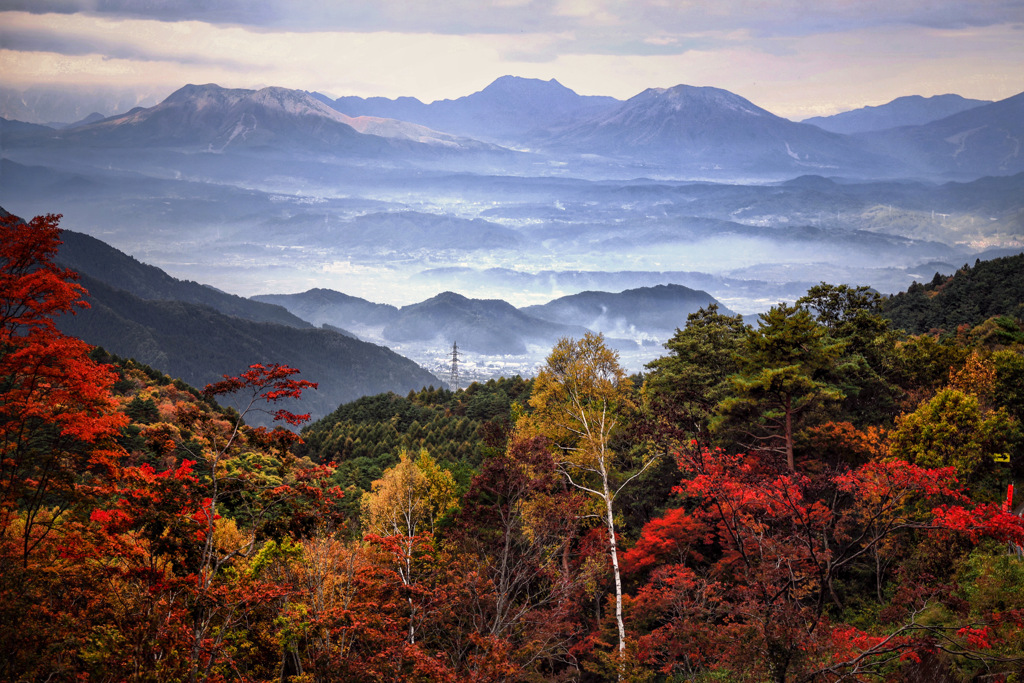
824, 495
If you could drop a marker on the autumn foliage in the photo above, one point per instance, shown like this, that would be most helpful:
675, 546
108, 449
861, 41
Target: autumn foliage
828, 502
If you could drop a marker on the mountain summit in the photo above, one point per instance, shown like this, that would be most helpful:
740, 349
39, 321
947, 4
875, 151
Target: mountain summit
511, 109
213, 118
710, 129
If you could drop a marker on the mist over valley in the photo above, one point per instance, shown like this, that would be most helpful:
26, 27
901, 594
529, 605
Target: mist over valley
465, 220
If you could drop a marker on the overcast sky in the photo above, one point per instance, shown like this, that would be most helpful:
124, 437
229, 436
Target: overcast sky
797, 58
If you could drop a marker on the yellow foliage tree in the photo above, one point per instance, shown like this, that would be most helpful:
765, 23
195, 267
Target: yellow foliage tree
410, 498
579, 398
405, 504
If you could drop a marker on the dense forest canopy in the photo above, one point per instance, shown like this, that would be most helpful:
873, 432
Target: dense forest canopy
824, 496
968, 297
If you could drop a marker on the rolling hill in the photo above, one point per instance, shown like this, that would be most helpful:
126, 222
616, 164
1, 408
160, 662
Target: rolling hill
644, 311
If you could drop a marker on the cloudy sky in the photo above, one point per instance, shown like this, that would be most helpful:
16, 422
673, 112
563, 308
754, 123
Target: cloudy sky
797, 58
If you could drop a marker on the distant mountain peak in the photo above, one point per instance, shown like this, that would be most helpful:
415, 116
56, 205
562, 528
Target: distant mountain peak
520, 84
681, 97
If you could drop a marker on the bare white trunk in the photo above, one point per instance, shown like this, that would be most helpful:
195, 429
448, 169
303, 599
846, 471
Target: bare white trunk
615, 562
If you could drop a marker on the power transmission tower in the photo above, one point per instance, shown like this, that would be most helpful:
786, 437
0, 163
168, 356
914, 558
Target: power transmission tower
453, 375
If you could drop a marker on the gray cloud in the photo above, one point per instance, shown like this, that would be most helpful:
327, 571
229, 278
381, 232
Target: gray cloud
634, 20
41, 40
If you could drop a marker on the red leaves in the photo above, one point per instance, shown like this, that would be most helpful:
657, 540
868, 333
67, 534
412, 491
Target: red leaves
268, 383
981, 521
34, 288
976, 638
57, 415
748, 566
673, 538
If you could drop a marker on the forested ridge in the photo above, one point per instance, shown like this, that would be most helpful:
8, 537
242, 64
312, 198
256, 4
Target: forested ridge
969, 297
822, 496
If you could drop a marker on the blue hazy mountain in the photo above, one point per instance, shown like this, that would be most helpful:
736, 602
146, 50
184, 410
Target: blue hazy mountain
90, 256
484, 326
212, 118
511, 109
328, 307
495, 327
693, 131
198, 333
643, 311
981, 141
711, 129
912, 110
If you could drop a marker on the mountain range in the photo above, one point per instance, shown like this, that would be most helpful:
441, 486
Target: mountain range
513, 197
712, 130
983, 140
655, 312
511, 110
212, 118
681, 130
490, 327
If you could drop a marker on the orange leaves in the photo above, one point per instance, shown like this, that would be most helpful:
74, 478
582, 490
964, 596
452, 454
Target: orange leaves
842, 442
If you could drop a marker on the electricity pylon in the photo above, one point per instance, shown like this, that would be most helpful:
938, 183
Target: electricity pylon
453, 375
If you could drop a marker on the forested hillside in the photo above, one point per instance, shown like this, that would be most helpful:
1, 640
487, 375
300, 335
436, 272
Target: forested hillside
197, 343
459, 430
970, 296
197, 333
818, 497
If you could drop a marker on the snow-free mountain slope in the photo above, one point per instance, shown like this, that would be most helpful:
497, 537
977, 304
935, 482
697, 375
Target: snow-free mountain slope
198, 333
651, 312
328, 307
985, 140
912, 110
484, 326
90, 256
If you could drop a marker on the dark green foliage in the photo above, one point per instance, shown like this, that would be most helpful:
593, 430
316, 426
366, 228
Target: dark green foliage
683, 388
866, 369
838, 307
365, 436
923, 364
1009, 386
786, 364
142, 410
970, 297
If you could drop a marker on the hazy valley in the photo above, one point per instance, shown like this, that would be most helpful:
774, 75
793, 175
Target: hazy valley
524, 193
